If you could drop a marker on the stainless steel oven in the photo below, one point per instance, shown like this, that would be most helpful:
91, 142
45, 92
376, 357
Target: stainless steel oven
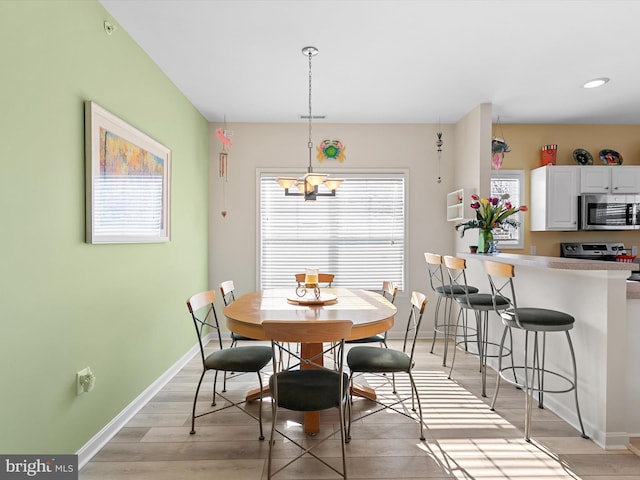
609, 212
592, 251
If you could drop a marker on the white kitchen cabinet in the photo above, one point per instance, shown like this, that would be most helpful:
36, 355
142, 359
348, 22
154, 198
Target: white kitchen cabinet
612, 179
554, 198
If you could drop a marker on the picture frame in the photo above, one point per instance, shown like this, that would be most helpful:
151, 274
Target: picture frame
128, 175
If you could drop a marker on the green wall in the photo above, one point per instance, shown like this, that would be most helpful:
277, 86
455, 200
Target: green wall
65, 304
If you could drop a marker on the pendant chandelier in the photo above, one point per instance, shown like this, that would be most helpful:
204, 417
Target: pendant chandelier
309, 185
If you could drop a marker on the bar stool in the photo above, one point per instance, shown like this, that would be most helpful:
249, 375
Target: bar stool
481, 304
443, 291
534, 321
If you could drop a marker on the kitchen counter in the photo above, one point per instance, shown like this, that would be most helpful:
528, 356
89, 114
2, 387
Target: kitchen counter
607, 331
633, 288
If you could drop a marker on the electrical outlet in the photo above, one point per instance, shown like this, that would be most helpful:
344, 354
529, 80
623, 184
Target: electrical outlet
85, 381
634, 250
532, 250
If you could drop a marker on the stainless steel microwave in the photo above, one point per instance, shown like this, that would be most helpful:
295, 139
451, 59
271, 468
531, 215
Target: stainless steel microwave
609, 212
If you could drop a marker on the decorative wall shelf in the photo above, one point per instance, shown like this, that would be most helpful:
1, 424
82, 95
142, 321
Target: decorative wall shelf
458, 205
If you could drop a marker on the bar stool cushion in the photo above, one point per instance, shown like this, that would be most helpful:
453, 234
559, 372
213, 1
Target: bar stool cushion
539, 319
374, 359
481, 301
456, 290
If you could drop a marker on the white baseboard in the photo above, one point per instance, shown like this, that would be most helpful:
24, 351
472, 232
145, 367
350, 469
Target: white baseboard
100, 439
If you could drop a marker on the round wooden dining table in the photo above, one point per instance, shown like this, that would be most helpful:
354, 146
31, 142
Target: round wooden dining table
369, 311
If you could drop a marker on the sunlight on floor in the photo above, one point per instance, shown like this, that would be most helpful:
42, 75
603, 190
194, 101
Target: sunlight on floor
447, 405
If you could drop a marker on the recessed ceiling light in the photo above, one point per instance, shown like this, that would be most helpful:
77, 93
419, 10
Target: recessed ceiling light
596, 82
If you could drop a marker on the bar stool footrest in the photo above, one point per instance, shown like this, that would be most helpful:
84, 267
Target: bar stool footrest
520, 372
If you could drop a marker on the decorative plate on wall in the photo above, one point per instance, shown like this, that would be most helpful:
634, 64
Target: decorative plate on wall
610, 157
582, 157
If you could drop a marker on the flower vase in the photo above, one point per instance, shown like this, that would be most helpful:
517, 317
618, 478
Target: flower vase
485, 240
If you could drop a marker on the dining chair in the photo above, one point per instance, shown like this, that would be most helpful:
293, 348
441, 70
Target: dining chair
366, 359
534, 321
443, 290
481, 304
389, 291
324, 279
308, 386
239, 359
227, 290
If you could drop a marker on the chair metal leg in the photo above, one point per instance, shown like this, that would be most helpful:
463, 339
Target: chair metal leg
495, 393
261, 437
528, 392
541, 370
575, 382
479, 337
435, 322
483, 322
215, 381
350, 402
274, 418
195, 400
415, 391
343, 440
461, 313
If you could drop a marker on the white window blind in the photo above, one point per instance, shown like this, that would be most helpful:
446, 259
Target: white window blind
358, 235
509, 182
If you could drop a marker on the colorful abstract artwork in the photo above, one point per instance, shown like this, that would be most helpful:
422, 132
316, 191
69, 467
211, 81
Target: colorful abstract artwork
121, 157
331, 150
127, 184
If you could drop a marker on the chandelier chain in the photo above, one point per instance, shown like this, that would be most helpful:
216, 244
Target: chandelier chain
310, 143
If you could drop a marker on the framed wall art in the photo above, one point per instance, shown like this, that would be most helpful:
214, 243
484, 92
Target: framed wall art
127, 182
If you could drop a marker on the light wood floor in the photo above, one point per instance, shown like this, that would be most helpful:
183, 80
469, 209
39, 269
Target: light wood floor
464, 439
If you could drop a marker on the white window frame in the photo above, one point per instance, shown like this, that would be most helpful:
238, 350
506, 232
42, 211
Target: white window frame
517, 234
350, 283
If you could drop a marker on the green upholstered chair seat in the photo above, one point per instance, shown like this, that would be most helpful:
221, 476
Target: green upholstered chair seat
538, 319
374, 359
372, 339
239, 359
309, 390
481, 301
455, 289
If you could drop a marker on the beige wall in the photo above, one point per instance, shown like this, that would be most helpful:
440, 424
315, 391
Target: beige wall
525, 142
284, 147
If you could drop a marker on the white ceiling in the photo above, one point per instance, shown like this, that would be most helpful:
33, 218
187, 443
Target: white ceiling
398, 61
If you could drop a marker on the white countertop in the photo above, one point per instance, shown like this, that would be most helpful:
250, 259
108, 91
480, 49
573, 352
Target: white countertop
633, 288
551, 262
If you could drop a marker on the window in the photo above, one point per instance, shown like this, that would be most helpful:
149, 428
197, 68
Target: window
358, 235
512, 183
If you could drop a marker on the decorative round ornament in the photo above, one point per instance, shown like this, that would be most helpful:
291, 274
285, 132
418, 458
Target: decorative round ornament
610, 157
582, 157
